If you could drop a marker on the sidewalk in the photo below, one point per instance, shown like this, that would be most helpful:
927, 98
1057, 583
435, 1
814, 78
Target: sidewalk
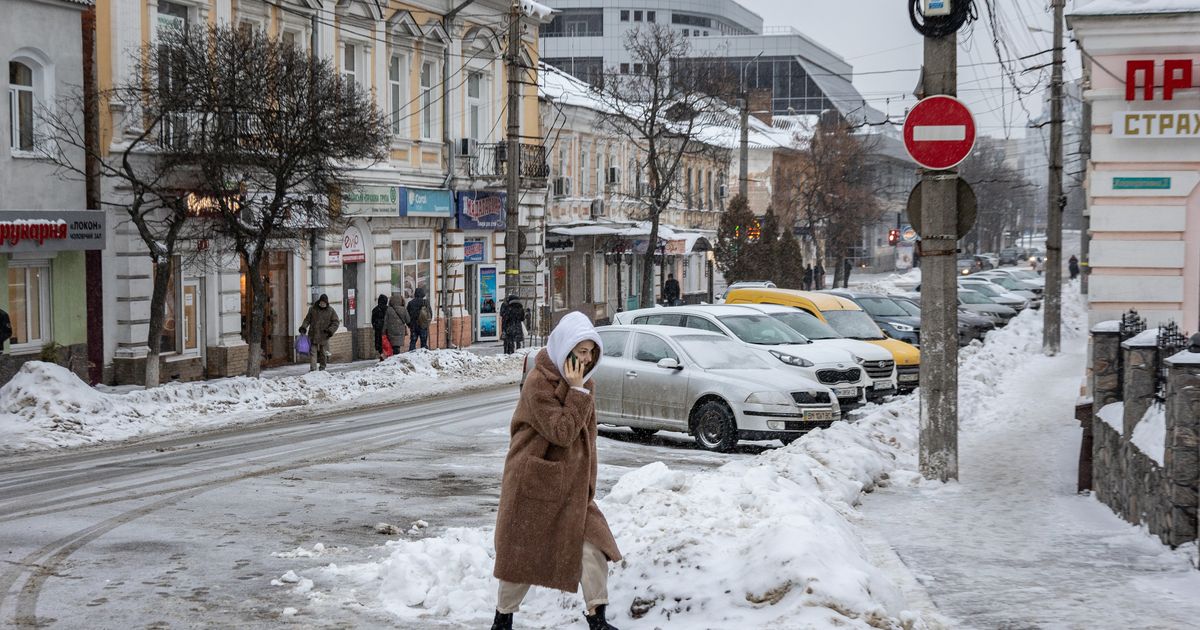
1012, 545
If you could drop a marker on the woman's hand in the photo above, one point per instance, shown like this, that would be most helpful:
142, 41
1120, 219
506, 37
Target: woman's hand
573, 372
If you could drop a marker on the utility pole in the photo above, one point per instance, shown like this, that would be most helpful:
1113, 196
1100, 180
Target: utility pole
1085, 150
744, 159
512, 231
1052, 305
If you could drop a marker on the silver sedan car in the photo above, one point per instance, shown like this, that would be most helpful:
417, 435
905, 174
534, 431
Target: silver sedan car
667, 378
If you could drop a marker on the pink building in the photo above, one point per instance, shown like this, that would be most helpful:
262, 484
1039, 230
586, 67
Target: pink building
1141, 62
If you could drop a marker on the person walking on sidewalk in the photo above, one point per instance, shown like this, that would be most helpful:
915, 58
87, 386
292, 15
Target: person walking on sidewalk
1073, 266
323, 321
808, 277
420, 317
378, 322
549, 530
819, 276
5, 329
846, 267
512, 320
396, 322
671, 290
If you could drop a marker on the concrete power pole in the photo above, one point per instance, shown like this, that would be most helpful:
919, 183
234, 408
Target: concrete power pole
512, 231
939, 289
744, 156
1052, 305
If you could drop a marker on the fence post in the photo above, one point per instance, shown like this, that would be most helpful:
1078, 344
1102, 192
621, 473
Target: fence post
1140, 364
1182, 455
1106, 389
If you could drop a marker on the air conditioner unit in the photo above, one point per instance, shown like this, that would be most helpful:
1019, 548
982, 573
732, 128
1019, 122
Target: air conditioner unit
467, 147
721, 191
614, 175
562, 187
597, 208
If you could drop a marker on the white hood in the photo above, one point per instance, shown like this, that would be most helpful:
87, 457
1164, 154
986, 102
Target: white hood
863, 350
572, 329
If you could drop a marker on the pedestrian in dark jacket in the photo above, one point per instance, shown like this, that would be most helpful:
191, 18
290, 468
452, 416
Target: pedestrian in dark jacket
420, 316
819, 276
512, 318
1073, 267
323, 322
671, 290
5, 328
378, 323
396, 322
846, 266
808, 277
549, 530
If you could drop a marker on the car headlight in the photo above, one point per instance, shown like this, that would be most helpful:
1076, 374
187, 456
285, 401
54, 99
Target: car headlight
769, 398
902, 327
859, 360
791, 359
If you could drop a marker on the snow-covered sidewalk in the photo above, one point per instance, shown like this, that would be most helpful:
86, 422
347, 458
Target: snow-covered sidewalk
1012, 545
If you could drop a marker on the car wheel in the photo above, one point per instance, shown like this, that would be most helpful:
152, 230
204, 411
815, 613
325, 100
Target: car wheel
789, 439
643, 434
714, 427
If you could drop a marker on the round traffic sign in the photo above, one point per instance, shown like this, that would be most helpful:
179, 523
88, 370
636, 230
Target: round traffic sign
939, 132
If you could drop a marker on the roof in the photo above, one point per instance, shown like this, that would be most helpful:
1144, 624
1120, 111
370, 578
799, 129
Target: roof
1136, 7
823, 301
857, 295
666, 331
716, 310
841, 92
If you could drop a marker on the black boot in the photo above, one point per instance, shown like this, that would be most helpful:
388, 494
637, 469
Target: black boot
598, 621
503, 621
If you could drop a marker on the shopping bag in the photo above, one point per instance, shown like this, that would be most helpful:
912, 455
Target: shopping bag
303, 346
388, 350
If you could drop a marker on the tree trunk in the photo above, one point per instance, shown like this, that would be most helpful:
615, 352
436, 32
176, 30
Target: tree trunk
158, 298
258, 290
646, 299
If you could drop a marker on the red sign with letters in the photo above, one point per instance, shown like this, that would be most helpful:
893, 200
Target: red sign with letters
1142, 73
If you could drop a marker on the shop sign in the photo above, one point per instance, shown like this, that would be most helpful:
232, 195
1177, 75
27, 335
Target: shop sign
479, 210
1141, 183
371, 201
425, 202
333, 257
474, 250
904, 255
1159, 124
1176, 75
48, 231
676, 248
352, 246
560, 244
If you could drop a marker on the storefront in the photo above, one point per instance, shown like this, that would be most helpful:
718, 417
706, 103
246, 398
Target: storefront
42, 261
481, 218
1142, 78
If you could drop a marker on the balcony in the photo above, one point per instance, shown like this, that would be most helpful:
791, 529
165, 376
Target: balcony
490, 161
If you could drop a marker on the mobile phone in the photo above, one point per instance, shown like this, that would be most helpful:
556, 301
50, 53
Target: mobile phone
574, 361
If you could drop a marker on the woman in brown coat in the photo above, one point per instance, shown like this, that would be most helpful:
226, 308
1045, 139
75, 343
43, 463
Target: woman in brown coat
549, 531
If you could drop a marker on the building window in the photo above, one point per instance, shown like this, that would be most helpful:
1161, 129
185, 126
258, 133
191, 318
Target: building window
172, 16
476, 106
350, 64
650, 16
624, 68
600, 279
588, 280
637, 69
397, 75
20, 106
412, 266
624, 16
29, 304
559, 279
584, 170
427, 113
181, 314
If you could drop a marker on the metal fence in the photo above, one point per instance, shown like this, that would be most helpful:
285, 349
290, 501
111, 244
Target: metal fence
1132, 325
1170, 341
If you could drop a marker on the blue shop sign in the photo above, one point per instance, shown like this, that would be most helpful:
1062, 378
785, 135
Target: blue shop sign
425, 202
479, 210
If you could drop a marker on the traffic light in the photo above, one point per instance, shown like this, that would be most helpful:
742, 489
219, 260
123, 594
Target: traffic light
893, 237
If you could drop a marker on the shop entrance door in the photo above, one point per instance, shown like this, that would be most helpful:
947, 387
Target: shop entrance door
472, 279
350, 290
488, 326
277, 328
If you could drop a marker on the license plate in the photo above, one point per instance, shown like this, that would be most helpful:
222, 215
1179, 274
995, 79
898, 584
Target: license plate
908, 378
814, 416
845, 392
882, 384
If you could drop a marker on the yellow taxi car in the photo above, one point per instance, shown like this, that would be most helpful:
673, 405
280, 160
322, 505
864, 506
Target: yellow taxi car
844, 316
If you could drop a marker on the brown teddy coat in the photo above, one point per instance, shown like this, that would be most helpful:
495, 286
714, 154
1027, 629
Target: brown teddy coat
547, 495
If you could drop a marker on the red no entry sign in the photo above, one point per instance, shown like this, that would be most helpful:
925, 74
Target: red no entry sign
939, 132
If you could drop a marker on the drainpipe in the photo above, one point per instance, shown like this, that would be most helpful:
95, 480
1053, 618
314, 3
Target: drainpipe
313, 287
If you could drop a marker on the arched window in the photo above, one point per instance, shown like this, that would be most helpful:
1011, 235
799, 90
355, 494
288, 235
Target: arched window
20, 106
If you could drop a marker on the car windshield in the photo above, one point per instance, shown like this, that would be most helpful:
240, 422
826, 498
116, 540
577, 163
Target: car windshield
985, 289
965, 263
806, 324
854, 324
881, 307
1007, 283
720, 353
971, 297
1026, 274
912, 309
761, 330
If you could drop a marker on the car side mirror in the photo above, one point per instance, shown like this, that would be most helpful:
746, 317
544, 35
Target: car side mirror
669, 364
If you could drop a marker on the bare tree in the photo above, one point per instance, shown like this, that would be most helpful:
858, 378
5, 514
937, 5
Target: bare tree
150, 180
273, 135
663, 113
1000, 192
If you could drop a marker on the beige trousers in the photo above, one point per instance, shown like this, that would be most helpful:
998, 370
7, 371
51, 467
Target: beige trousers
594, 581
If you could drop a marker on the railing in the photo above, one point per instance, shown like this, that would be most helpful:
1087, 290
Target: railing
1131, 326
1170, 342
491, 161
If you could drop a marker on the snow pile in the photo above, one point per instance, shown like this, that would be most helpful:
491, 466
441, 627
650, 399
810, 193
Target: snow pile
45, 405
1150, 434
893, 283
1113, 414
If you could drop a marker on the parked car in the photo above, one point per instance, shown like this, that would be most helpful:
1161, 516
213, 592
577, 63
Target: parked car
664, 378
970, 325
891, 317
991, 259
1027, 290
744, 284
982, 305
847, 318
772, 340
965, 266
997, 293
1010, 256
1022, 274
876, 361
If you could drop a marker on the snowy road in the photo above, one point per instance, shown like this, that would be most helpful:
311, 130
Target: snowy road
1012, 545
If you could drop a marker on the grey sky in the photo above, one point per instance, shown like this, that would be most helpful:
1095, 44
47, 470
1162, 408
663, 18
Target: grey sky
876, 38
